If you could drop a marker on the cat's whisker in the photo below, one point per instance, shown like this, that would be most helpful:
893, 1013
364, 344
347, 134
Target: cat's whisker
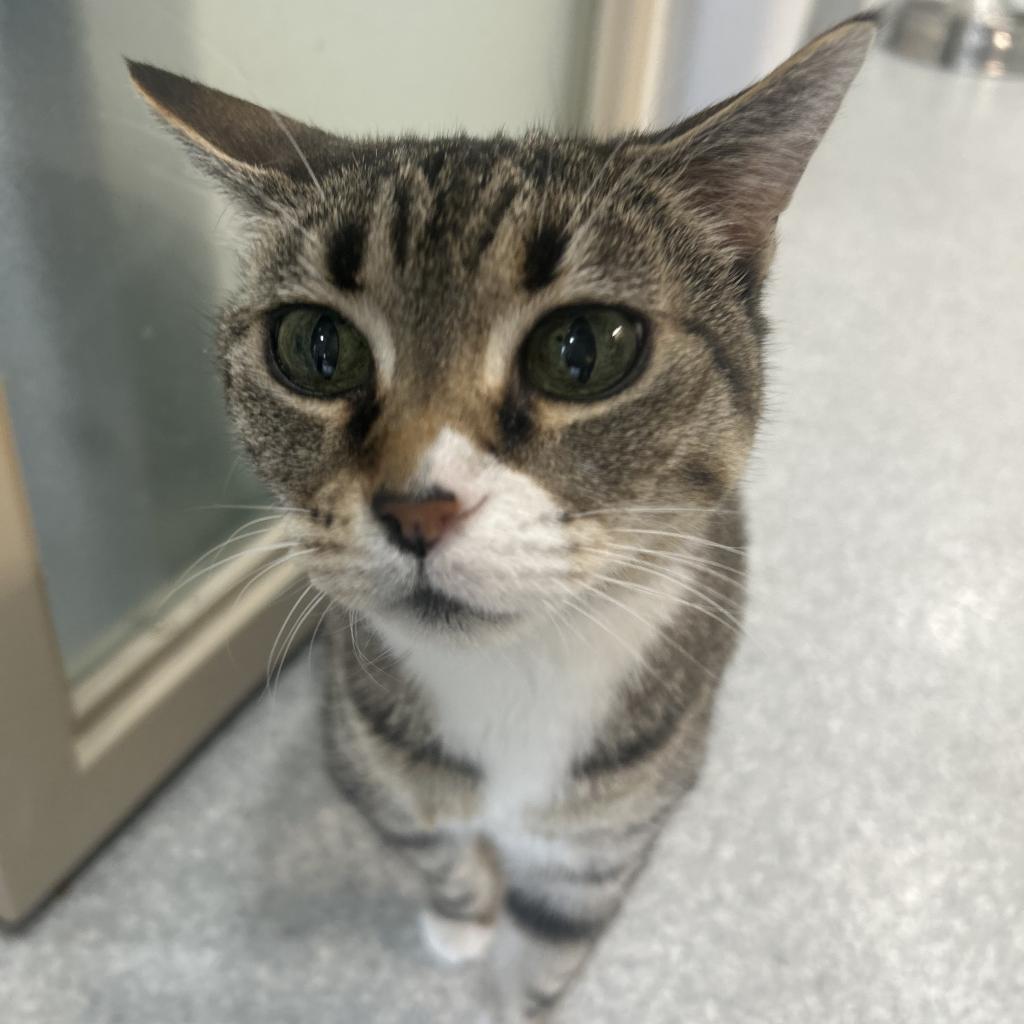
221, 57
723, 603
245, 532
331, 603
557, 618
320, 599
634, 651
683, 602
257, 549
728, 574
561, 612
687, 580
574, 604
386, 652
638, 172
270, 566
653, 509
583, 216
237, 460
286, 592
241, 533
295, 630
598, 592
298, 149
285, 623
364, 664
254, 508
374, 662
272, 658
671, 696
689, 537
577, 605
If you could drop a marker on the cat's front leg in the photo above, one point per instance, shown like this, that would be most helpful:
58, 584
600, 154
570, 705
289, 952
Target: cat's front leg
554, 911
462, 894
531, 967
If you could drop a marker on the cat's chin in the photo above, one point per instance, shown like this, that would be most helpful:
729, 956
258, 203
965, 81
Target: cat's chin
429, 612
436, 609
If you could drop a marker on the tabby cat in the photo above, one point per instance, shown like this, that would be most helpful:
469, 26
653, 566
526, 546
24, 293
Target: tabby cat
506, 389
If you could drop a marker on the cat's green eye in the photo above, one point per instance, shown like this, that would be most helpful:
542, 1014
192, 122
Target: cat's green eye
581, 353
320, 353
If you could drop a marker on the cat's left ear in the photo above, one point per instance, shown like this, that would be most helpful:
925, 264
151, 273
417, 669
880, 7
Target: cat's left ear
254, 151
740, 160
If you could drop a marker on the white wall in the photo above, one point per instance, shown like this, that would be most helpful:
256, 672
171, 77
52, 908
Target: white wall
115, 253
716, 47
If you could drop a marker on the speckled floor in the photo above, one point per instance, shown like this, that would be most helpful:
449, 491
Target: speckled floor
855, 851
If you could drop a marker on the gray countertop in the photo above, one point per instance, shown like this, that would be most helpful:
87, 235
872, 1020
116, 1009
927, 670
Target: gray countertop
855, 851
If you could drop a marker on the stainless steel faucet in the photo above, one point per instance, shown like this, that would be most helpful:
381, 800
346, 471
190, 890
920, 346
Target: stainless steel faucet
985, 37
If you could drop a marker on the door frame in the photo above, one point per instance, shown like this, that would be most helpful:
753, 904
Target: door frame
76, 760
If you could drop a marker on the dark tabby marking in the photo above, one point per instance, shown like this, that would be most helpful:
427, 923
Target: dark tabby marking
432, 166
628, 753
543, 253
390, 723
400, 225
704, 476
538, 1002
345, 256
542, 920
493, 221
411, 840
724, 364
514, 418
361, 422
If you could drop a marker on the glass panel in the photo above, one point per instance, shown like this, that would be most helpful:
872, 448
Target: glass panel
114, 254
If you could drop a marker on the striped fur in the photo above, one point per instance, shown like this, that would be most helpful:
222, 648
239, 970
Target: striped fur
517, 712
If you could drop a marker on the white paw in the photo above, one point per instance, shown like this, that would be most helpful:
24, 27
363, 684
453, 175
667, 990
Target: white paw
455, 942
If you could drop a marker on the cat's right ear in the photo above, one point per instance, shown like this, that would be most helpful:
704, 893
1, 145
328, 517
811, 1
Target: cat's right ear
262, 156
741, 159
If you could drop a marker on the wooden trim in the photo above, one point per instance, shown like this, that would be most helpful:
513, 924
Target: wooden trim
74, 761
633, 40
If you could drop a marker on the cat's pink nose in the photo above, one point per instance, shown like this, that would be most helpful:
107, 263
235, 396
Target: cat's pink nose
417, 522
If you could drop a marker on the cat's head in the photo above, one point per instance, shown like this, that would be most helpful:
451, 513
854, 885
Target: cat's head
491, 374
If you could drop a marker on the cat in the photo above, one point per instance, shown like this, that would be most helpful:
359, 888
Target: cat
507, 389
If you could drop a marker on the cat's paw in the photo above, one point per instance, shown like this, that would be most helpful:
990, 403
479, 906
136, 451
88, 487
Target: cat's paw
453, 941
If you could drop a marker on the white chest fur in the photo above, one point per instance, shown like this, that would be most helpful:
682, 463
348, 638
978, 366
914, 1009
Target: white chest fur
521, 713
524, 711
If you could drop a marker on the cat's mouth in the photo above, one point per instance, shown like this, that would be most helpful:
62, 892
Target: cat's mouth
432, 607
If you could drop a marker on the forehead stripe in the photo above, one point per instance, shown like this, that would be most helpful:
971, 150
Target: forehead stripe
400, 224
492, 222
345, 256
544, 250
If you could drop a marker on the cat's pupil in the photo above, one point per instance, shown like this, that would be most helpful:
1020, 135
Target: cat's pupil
579, 350
323, 347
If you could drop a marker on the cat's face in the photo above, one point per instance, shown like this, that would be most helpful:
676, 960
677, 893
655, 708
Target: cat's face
488, 375
437, 263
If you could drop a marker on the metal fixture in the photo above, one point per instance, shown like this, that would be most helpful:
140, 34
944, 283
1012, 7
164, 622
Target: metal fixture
985, 37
